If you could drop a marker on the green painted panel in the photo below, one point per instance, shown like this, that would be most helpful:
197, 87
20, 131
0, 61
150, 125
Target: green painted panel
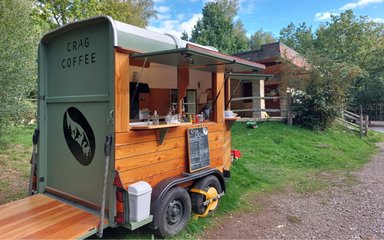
77, 106
78, 60
77, 171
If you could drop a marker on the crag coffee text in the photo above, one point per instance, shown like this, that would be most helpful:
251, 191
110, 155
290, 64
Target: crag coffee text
78, 57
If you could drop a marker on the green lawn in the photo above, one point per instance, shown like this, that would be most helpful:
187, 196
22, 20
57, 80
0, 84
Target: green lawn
275, 156
15, 165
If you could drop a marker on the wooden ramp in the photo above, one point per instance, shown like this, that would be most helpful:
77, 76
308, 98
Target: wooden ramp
43, 217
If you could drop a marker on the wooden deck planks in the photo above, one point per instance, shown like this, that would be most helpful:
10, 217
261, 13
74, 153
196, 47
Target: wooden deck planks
43, 217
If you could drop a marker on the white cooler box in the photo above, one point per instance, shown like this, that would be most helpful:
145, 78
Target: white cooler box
139, 201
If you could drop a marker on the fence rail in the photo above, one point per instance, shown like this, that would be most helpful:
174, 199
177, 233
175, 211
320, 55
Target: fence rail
355, 122
257, 109
256, 98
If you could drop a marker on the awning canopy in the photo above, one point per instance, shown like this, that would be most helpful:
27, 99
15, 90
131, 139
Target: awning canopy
250, 76
194, 57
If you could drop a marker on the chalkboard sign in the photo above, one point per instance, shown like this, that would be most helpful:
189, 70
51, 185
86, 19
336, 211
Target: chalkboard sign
198, 148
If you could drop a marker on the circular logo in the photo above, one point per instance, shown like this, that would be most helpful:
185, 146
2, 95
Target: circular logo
79, 136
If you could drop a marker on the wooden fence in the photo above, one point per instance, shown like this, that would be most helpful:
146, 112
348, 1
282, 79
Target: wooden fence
355, 122
285, 113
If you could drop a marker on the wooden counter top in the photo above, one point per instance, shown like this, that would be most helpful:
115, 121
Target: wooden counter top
163, 125
232, 118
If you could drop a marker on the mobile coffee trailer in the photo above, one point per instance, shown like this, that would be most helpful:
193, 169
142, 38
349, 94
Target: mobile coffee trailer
98, 163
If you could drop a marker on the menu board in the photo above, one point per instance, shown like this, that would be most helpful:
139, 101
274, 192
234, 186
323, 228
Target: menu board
198, 149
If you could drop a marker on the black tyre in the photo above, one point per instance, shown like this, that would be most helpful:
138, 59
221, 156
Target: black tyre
173, 212
198, 199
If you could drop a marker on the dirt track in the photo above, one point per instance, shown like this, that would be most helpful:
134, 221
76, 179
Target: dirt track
347, 210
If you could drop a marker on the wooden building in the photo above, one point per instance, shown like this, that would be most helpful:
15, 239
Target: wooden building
280, 61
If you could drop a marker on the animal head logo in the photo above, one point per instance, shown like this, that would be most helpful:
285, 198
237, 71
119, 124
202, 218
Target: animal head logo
79, 136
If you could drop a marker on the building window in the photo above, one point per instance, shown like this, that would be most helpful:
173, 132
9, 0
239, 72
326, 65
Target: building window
247, 91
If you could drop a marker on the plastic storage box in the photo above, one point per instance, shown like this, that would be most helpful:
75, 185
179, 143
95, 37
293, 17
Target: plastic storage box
139, 201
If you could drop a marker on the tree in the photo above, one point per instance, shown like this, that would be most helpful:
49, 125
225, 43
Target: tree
357, 43
217, 28
259, 38
18, 47
184, 36
135, 12
298, 38
321, 94
60, 12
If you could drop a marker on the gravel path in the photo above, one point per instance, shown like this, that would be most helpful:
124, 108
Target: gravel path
345, 211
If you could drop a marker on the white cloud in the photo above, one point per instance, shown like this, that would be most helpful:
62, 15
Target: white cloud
162, 17
180, 16
204, 1
359, 3
188, 25
378, 20
158, 1
162, 9
177, 26
247, 7
323, 16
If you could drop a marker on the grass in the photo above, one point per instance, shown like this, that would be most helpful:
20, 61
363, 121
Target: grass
15, 158
274, 157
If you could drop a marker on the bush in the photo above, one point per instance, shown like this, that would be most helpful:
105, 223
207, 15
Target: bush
321, 95
313, 110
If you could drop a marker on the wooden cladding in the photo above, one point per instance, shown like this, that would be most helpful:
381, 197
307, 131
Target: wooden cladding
138, 153
139, 156
218, 97
121, 91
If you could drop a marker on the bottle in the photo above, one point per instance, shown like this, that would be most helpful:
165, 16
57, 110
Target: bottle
155, 118
168, 117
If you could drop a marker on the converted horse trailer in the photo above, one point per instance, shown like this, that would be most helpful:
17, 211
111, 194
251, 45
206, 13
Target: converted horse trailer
134, 128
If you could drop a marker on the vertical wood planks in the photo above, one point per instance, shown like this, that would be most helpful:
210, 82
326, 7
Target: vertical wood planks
218, 94
121, 91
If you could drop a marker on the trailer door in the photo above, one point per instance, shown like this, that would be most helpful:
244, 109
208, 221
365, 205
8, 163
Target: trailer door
75, 112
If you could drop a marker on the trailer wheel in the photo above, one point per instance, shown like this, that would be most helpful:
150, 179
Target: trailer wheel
208, 184
173, 212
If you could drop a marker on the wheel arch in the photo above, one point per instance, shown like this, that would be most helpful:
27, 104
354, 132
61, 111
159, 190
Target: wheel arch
162, 187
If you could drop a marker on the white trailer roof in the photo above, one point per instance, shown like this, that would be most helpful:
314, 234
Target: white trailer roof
146, 42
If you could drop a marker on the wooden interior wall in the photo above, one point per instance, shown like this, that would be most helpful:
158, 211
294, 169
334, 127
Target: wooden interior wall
160, 100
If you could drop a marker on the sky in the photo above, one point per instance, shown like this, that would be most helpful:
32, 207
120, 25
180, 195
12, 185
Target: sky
175, 16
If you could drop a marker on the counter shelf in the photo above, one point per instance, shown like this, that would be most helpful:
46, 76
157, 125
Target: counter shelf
162, 127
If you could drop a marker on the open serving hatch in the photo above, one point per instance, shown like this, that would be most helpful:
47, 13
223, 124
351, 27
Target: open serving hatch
199, 58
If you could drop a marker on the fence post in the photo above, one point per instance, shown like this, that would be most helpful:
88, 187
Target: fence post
289, 111
361, 123
366, 123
